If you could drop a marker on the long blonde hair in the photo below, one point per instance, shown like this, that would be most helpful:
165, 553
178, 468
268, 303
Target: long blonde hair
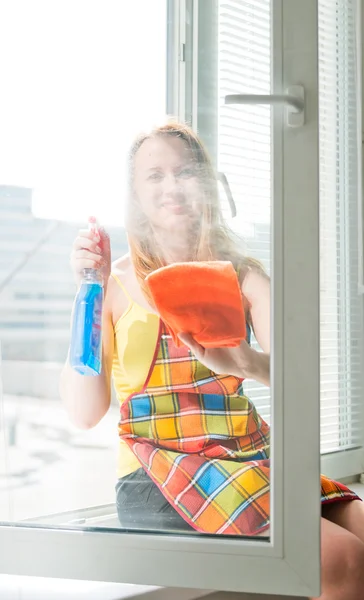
213, 241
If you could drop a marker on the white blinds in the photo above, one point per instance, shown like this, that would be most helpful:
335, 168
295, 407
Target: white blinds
244, 132
244, 156
341, 306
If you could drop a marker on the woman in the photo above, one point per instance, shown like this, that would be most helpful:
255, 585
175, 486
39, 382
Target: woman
174, 216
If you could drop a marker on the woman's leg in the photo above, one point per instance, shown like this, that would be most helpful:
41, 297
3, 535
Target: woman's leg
342, 560
342, 563
141, 505
349, 515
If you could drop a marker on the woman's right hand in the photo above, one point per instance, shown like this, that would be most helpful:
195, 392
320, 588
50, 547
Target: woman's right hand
91, 251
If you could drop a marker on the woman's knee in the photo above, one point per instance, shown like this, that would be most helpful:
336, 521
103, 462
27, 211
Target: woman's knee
353, 557
342, 563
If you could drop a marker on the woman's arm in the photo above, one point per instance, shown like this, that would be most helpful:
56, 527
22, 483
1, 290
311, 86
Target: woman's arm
86, 398
256, 291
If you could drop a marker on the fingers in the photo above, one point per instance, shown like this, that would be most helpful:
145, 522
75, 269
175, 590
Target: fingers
191, 343
104, 235
87, 263
90, 251
87, 242
104, 241
82, 254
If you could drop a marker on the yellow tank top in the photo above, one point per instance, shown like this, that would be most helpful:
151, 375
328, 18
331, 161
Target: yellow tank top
135, 337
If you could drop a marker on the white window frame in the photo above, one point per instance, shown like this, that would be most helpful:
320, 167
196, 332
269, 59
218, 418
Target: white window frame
290, 561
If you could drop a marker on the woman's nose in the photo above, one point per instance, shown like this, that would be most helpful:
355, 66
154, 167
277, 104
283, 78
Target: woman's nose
171, 184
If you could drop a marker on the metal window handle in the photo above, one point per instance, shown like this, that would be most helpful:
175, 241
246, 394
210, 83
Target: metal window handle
294, 99
225, 184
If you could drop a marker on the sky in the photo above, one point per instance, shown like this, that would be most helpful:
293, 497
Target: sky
79, 80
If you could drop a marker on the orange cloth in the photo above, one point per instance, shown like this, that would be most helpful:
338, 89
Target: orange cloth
200, 298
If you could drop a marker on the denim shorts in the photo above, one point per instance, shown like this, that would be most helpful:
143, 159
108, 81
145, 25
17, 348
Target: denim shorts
141, 505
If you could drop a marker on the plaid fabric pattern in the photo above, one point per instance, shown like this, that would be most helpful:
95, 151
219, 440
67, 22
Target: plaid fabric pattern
204, 445
176, 369
333, 491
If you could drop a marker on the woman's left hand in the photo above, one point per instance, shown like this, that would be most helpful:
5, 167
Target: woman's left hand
241, 361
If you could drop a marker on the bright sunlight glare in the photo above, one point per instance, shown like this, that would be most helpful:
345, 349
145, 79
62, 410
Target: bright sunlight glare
82, 79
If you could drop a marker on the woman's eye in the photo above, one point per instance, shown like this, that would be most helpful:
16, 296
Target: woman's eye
155, 177
187, 172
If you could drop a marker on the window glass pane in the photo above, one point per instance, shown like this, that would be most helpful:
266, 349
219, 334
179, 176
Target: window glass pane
190, 442
341, 305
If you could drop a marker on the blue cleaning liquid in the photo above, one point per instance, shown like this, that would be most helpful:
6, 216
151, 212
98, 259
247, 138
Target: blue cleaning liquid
86, 335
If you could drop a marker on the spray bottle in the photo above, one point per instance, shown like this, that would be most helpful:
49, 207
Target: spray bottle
86, 333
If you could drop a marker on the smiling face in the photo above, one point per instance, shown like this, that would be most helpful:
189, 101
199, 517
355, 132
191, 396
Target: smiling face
173, 211
167, 184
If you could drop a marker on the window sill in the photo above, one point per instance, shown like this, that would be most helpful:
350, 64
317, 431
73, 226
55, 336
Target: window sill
38, 588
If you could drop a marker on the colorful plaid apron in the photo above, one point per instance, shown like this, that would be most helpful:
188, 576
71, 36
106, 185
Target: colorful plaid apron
203, 444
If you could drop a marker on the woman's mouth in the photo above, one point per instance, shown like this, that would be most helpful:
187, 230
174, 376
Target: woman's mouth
177, 208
